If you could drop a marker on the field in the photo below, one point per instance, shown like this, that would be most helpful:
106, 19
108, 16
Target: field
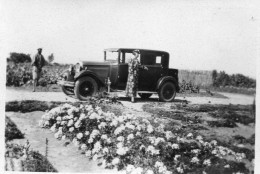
209, 137
202, 131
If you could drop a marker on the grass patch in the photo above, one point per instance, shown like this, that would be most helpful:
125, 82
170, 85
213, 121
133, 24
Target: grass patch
31, 161
11, 130
38, 163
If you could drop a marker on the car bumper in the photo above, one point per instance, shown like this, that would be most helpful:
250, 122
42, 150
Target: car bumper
66, 83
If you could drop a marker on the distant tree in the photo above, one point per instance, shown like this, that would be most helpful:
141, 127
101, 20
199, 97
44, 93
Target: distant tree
19, 57
214, 77
51, 58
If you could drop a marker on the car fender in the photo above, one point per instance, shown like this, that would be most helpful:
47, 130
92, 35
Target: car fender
167, 78
90, 74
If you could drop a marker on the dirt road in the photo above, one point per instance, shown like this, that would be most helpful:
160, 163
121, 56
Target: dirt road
12, 94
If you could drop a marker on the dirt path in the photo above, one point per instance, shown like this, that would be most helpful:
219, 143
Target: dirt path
64, 159
12, 94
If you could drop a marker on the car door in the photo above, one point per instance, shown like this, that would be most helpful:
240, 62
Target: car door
148, 78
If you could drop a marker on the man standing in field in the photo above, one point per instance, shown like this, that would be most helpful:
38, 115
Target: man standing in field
38, 62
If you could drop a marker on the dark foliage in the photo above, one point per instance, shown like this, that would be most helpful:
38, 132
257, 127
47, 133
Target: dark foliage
235, 80
19, 57
38, 163
11, 130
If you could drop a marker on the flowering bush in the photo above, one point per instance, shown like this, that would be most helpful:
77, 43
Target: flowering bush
136, 145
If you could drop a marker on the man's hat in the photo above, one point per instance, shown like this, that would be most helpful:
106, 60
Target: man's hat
137, 51
39, 49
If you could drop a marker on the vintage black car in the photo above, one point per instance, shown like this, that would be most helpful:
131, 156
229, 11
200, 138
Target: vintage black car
87, 77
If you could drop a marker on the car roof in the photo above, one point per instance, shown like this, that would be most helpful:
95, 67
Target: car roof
132, 49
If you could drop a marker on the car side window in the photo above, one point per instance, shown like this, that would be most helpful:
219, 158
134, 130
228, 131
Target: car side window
158, 60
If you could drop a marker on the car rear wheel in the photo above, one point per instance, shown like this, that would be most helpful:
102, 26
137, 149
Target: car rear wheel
167, 92
145, 95
67, 90
85, 87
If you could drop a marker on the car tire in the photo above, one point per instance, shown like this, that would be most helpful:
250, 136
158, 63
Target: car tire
67, 91
167, 92
85, 87
145, 95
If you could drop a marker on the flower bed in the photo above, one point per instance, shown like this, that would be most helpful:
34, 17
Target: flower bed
138, 145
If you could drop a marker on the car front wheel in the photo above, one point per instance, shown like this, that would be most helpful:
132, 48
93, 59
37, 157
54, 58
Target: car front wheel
85, 87
167, 92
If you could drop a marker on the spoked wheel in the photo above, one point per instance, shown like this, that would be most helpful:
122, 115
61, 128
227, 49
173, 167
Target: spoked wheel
167, 92
67, 90
145, 95
85, 87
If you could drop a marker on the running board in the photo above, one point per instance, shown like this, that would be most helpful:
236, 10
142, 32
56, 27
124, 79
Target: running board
139, 92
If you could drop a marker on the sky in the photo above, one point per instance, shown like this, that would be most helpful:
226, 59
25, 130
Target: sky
198, 34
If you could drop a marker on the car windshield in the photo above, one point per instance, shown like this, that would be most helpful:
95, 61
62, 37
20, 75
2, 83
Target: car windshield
112, 56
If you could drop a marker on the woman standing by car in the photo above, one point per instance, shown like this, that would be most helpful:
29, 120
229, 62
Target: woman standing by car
133, 74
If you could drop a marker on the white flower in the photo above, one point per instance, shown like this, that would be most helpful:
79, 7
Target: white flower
122, 150
153, 150
130, 168
95, 157
207, 162
115, 161
58, 118
83, 147
87, 133
114, 123
195, 160
179, 169
104, 137
227, 166
190, 135
175, 146
214, 142
137, 170
102, 125
63, 123
149, 128
169, 135
105, 150
79, 135
138, 134
120, 138
130, 137
82, 116
94, 116
195, 151
142, 147
77, 124
71, 129
129, 125
162, 169
158, 164
149, 172
53, 128
199, 138
70, 123
90, 140
176, 157
88, 153
158, 140
63, 137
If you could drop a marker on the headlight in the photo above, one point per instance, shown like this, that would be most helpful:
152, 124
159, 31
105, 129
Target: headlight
77, 68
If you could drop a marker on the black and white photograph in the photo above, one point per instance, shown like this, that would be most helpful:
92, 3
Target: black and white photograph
129, 86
